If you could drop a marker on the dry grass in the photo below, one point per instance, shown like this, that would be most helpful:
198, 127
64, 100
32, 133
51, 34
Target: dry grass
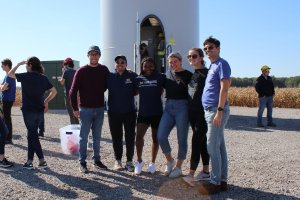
247, 97
18, 97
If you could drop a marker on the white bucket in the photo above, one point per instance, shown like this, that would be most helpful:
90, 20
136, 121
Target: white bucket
69, 139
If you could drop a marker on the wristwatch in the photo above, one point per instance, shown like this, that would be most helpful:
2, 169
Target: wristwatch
220, 109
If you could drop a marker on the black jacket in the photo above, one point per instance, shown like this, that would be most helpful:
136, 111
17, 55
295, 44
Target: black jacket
264, 87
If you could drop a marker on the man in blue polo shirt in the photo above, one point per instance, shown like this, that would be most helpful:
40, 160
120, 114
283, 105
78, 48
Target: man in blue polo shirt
8, 88
215, 103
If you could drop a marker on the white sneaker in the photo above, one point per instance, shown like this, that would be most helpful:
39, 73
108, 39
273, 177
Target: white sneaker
202, 176
170, 165
176, 172
138, 167
152, 168
118, 165
189, 179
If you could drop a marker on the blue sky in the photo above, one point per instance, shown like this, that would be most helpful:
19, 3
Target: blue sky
252, 32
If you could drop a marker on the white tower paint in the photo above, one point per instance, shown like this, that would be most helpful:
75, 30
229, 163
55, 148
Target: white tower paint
120, 31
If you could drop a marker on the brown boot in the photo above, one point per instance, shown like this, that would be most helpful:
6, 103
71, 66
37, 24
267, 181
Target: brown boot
209, 188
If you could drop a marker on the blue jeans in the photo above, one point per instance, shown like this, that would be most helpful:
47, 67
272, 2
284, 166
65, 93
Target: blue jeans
90, 119
265, 102
216, 145
175, 113
32, 119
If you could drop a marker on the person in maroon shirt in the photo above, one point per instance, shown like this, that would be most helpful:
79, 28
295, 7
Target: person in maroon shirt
90, 83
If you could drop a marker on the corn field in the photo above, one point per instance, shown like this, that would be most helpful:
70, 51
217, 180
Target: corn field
18, 97
245, 97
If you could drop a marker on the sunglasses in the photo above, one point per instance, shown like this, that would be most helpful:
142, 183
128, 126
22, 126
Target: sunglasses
209, 48
192, 56
121, 62
94, 54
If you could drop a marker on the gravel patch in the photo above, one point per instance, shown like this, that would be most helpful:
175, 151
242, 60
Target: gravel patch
263, 164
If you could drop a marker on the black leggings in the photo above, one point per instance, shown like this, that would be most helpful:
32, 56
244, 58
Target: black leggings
7, 105
116, 122
199, 140
3, 133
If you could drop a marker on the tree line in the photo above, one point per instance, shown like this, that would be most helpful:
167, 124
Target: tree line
280, 82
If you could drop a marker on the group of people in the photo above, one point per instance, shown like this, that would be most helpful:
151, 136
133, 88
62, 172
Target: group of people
198, 99
34, 85
185, 104
37, 91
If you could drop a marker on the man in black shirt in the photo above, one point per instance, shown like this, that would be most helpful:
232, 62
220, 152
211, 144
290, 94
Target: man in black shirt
265, 88
66, 80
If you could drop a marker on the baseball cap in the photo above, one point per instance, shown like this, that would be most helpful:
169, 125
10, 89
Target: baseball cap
122, 57
68, 60
94, 48
265, 67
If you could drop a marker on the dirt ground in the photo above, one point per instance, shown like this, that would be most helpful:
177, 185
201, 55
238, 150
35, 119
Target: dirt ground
263, 164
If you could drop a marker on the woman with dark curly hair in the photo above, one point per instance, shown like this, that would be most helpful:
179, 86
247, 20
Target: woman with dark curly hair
149, 85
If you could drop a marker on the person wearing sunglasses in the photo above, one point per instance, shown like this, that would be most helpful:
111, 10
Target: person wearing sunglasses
265, 89
216, 108
90, 84
197, 119
122, 111
8, 89
175, 114
149, 85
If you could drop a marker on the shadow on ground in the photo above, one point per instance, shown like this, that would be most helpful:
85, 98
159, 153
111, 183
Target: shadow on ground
248, 123
50, 153
122, 184
32, 179
95, 183
177, 189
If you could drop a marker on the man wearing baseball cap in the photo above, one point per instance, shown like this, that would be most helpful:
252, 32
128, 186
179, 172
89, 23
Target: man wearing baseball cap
66, 80
90, 83
265, 88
